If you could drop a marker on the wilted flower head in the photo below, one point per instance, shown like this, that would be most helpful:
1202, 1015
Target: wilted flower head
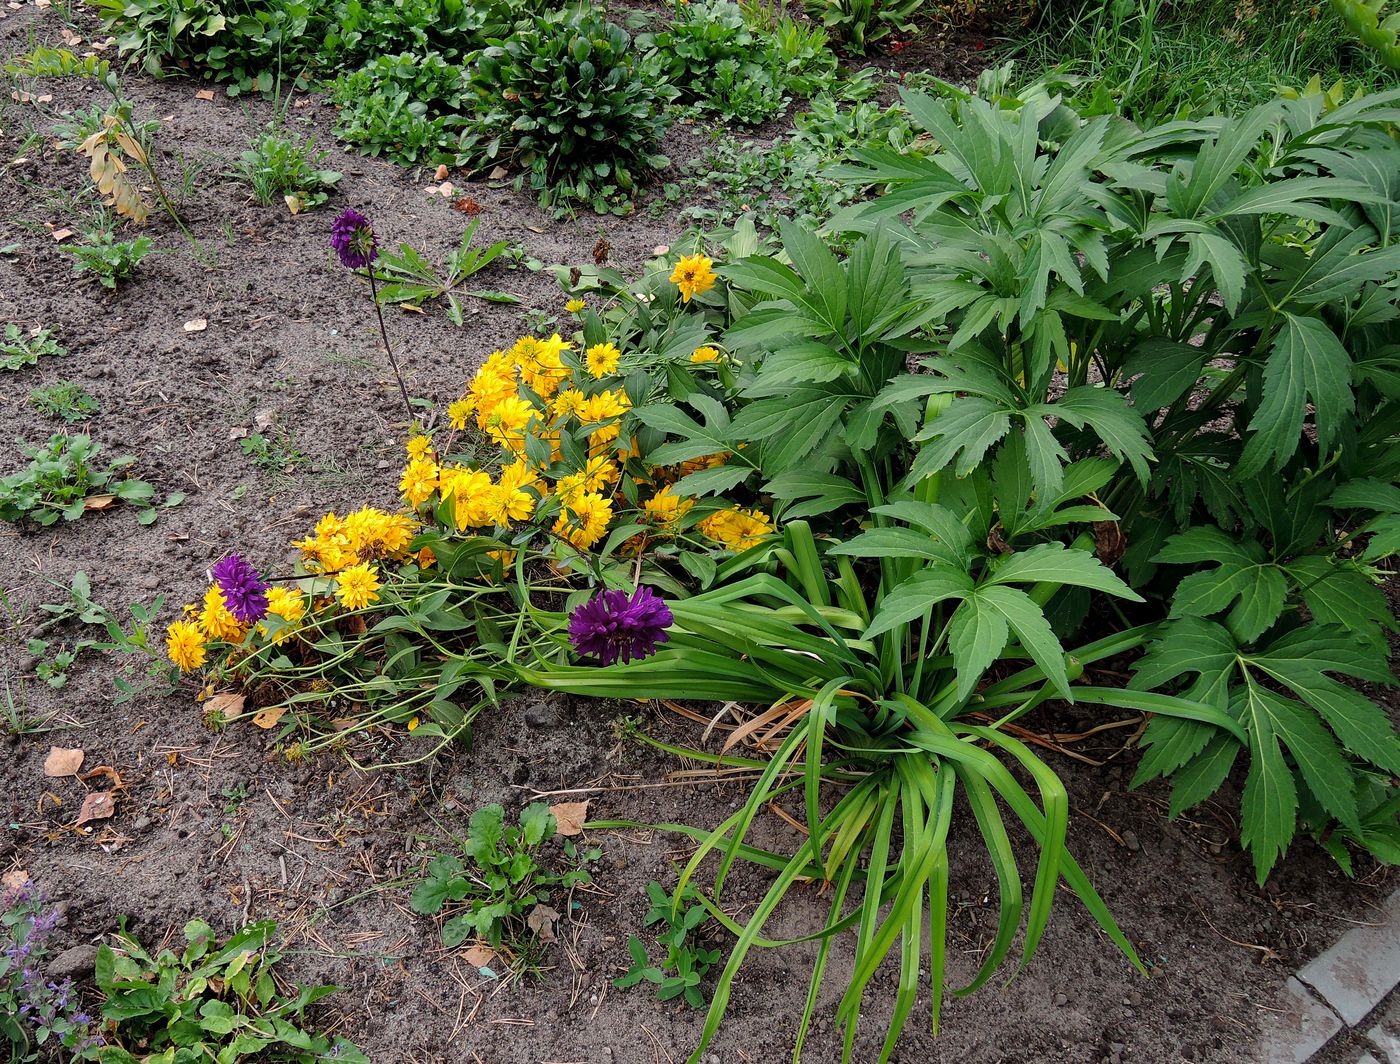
242, 588
611, 626
353, 239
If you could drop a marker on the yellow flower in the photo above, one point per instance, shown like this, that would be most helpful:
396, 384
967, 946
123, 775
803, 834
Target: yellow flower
704, 354
419, 446
573, 306
419, 481
737, 528
599, 473
357, 586
602, 407
184, 645
371, 533
216, 620
666, 509
590, 515
467, 489
569, 401
602, 359
518, 475
505, 504
506, 423
287, 603
693, 276
569, 487
541, 363
459, 411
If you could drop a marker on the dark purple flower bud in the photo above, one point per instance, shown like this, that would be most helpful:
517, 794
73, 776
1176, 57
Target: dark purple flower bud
242, 588
610, 626
353, 239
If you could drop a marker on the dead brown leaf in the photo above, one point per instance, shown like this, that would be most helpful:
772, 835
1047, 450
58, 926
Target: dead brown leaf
440, 174
541, 921
96, 806
497, 173
61, 234
14, 880
196, 325
569, 817
106, 772
269, 717
480, 955
99, 502
229, 703
62, 761
204, 94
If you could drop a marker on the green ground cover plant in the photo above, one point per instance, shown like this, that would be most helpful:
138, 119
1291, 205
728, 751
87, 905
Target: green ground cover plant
65, 480
211, 1001
20, 347
501, 890
64, 399
278, 164
111, 261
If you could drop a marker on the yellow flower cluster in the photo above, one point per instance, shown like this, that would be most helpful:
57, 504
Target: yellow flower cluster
367, 535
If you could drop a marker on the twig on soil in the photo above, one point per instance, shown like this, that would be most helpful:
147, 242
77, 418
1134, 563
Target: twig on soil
1268, 954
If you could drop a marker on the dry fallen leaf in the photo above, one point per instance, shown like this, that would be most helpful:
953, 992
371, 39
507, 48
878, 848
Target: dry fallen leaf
229, 703
61, 234
62, 761
446, 190
204, 94
569, 816
294, 202
480, 955
661, 249
268, 718
107, 772
497, 173
98, 502
14, 880
541, 921
96, 806
441, 173
197, 325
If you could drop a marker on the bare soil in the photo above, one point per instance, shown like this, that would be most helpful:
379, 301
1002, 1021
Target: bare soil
317, 845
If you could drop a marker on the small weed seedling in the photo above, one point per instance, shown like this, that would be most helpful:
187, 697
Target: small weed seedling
279, 164
64, 480
19, 348
64, 399
686, 963
412, 279
135, 639
106, 258
209, 1002
276, 453
500, 879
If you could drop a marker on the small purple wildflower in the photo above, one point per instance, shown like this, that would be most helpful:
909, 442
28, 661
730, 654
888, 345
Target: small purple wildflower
353, 239
243, 589
611, 626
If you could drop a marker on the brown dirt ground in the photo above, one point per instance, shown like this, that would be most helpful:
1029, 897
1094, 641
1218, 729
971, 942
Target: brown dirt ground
313, 845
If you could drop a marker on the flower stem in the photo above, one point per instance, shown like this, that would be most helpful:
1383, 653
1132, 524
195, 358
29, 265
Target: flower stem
384, 335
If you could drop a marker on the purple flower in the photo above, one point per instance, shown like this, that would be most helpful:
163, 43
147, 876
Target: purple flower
611, 626
353, 239
242, 588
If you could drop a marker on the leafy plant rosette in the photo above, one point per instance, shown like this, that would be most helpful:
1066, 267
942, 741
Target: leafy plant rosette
570, 100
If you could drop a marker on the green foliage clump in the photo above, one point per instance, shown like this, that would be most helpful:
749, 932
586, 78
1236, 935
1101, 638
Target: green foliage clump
404, 106
280, 164
211, 1001
501, 878
64, 399
714, 56
61, 478
569, 100
108, 259
858, 24
686, 962
19, 348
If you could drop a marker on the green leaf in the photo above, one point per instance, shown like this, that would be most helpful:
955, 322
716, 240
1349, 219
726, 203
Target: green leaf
1308, 363
917, 595
1053, 563
1269, 807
